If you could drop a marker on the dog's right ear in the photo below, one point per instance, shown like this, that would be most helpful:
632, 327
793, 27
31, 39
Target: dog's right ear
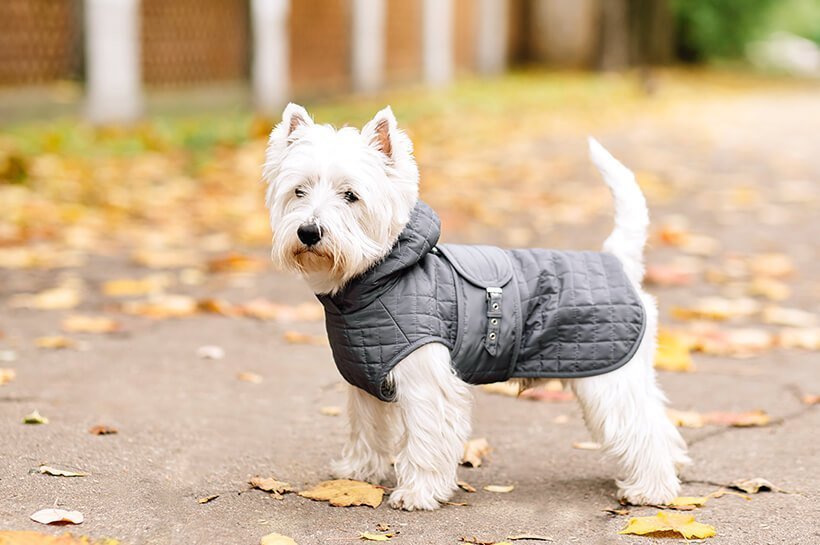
293, 118
282, 136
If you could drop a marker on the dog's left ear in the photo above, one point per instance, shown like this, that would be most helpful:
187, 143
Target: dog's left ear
380, 132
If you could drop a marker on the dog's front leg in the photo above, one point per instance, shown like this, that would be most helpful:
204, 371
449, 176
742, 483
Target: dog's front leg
367, 454
434, 406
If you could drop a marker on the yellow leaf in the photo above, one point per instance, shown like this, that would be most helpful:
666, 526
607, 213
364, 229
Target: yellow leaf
499, 489
277, 539
738, 420
126, 287
165, 259
684, 501
586, 445
345, 493
769, 288
79, 323
55, 341
235, 262
370, 536
330, 411
679, 523
34, 417
790, 317
162, 306
772, 265
509, 388
7, 375
807, 338
686, 419
59, 298
717, 308
247, 376
269, 484
474, 451
808, 399
672, 353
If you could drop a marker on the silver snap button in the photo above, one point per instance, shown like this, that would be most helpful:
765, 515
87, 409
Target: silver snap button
495, 306
494, 321
492, 336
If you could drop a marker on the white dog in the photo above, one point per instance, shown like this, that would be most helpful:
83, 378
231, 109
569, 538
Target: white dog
340, 201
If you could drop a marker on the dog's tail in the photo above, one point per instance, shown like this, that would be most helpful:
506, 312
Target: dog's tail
628, 238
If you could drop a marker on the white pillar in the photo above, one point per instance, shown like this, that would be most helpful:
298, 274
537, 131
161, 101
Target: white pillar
270, 69
438, 48
491, 36
369, 26
112, 52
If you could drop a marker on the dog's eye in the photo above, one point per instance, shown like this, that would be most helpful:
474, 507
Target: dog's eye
299, 192
351, 197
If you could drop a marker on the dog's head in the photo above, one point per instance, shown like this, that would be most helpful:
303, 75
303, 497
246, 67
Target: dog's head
338, 199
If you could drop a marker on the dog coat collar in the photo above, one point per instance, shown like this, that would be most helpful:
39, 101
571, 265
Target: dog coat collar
501, 313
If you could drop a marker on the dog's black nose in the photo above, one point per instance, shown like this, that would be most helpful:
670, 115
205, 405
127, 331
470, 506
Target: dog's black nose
309, 234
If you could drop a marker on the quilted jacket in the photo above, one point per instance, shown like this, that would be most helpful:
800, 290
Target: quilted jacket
501, 313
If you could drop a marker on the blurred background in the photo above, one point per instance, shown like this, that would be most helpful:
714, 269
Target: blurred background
134, 242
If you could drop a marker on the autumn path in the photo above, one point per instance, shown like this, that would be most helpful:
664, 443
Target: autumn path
731, 169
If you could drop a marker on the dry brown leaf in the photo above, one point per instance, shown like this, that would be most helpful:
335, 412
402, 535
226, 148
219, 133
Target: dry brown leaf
247, 376
811, 399
217, 306
269, 484
81, 323
474, 451
100, 429
586, 445
7, 375
499, 489
789, 317
129, 287
754, 486
207, 499
345, 493
465, 486
236, 263
685, 525
56, 342
807, 338
277, 539
55, 472
672, 353
51, 516
296, 337
162, 306
59, 298
330, 410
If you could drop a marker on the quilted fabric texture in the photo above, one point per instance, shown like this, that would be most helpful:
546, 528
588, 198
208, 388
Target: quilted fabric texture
501, 313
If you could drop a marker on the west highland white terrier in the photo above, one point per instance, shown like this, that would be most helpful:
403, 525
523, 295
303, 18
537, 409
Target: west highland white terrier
413, 322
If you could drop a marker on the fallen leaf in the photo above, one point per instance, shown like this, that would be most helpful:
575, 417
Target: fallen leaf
345, 493
56, 342
718, 308
685, 525
269, 484
51, 516
277, 539
739, 342
102, 430
476, 541
561, 419
7, 375
790, 317
58, 298
769, 288
217, 306
700, 245
668, 274
162, 306
754, 486
80, 323
796, 337
370, 536
330, 411
618, 512
455, 503
474, 451
165, 258
686, 419
236, 263
48, 470
723, 492
8, 356
688, 501
262, 309
129, 287
672, 353
772, 265
34, 417
247, 376
738, 420
509, 388
530, 537
810, 399
587, 445
500, 489
295, 337
207, 499
465, 486
210, 352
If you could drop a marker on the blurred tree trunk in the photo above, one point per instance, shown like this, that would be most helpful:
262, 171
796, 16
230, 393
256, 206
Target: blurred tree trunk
652, 38
564, 33
615, 35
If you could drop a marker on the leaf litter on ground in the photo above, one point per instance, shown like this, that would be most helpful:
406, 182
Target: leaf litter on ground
345, 493
13, 537
665, 522
277, 489
7, 375
56, 472
57, 516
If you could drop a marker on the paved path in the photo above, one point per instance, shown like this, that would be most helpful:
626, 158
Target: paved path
188, 428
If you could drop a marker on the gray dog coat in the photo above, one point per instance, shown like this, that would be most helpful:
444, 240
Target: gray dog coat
501, 313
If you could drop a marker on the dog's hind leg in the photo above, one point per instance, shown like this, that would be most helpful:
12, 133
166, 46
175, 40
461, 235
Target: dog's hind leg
435, 407
625, 411
367, 454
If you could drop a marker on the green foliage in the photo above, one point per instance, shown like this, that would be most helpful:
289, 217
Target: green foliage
718, 28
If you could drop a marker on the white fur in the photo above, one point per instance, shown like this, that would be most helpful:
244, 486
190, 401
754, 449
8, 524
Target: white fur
426, 427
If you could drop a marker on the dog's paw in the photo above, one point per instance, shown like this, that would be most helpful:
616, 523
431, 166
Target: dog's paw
371, 469
412, 500
660, 492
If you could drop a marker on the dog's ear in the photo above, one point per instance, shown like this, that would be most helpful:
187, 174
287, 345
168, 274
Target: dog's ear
293, 118
381, 131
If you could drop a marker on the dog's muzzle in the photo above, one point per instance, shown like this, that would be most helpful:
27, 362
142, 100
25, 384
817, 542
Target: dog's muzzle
309, 233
